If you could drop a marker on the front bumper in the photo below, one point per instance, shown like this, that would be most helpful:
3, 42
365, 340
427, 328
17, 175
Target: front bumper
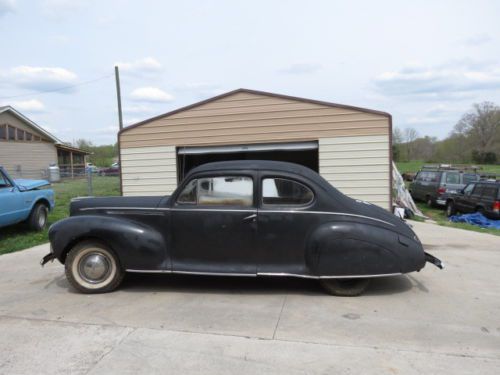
48, 258
432, 259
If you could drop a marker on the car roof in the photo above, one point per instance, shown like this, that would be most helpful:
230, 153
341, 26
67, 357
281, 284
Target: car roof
270, 165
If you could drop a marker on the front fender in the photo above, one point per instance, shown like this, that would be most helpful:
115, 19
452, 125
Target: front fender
137, 246
359, 249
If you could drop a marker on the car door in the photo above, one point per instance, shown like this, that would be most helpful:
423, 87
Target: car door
462, 197
416, 186
11, 202
284, 224
470, 203
214, 223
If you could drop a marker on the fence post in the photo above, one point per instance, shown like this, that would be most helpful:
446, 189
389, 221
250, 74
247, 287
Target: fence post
89, 182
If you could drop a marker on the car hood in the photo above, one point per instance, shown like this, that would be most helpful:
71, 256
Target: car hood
31, 184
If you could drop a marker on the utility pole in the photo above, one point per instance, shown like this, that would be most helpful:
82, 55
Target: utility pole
119, 97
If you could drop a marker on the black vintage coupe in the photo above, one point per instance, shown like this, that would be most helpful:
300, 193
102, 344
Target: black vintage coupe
237, 218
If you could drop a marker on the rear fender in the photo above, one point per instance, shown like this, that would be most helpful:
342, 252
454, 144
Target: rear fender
356, 249
137, 246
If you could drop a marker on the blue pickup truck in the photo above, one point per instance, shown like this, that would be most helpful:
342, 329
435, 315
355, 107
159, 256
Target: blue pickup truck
26, 201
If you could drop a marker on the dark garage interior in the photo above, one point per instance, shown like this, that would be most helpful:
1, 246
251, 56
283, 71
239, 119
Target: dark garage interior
303, 153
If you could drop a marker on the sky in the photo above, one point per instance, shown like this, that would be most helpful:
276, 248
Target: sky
425, 62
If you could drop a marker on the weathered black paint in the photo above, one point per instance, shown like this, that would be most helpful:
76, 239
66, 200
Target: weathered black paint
332, 236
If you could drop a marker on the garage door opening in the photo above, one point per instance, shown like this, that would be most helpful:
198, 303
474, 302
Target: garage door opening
303, 153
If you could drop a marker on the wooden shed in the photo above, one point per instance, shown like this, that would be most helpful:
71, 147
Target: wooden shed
349, 146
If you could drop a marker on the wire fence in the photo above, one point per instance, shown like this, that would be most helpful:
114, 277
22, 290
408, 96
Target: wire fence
85, 175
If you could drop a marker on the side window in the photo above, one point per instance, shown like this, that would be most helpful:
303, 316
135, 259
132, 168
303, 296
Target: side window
467, 178
280, 191
478, 190
433, 177
421, 176
225, 191
3, 181
468, 189
188, 195
489, 192
452, 178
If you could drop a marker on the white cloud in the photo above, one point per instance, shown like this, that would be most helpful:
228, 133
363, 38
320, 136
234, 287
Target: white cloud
453, 79
302, 68
145, 65
137, 109
150, 94
6, 6
478, 40
31, 105
39, 78
61, 9
108, 130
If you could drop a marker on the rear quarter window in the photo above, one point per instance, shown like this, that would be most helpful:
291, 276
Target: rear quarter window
489, 192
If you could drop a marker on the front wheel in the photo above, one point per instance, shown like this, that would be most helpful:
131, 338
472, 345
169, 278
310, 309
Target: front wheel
450, 209
38, 217
345, 287
91, 267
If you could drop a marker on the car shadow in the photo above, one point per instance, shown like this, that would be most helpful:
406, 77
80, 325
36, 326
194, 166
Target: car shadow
140, 283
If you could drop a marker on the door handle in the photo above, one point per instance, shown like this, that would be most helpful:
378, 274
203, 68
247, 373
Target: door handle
250, 217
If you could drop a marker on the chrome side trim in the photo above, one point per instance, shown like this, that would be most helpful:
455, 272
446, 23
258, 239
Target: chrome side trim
147, 271
236, 210
327, 213
325, 276
274, 274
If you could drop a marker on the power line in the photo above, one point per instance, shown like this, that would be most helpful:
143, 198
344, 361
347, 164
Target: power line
58, 89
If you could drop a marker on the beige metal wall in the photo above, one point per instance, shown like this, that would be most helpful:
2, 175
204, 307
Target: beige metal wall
357, 166
33, 157
244, 118
148, 170
249, 118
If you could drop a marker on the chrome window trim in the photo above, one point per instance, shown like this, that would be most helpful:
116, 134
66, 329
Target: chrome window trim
235, 210
273, 274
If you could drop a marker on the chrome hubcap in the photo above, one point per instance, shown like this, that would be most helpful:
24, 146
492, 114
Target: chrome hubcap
41, 219
94, 268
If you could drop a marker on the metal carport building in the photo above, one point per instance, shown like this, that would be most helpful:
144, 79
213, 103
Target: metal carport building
349, 146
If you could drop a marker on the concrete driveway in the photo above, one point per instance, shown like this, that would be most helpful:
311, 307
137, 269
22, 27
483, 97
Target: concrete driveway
428, 322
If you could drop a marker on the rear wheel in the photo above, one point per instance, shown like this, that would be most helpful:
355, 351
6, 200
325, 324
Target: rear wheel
450, 209
429, 201
92, 267
345, 287
38, 217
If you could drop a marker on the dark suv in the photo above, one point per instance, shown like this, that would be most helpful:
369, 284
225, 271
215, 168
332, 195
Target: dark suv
482, 196
430, 185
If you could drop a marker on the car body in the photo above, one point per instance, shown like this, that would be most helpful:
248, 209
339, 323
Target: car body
481, 196
430, 185
114, 170
239, 218
24, 200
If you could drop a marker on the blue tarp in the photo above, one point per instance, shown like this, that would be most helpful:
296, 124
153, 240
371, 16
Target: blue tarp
476, 219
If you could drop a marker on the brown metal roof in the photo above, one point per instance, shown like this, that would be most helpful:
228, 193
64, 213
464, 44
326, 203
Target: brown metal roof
256, 92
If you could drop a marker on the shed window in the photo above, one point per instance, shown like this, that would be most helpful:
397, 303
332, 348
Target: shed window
12, 133
20, 135
3, 132
280, 191
36, 138
29, 136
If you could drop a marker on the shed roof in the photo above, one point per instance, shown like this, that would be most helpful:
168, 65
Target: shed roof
30, 123
256, 92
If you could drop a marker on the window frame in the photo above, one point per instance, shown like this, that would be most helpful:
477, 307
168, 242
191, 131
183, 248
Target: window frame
223, 174
282, 177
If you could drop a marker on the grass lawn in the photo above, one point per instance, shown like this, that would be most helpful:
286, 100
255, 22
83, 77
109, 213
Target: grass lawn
415, 165
18, 237
439, 216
